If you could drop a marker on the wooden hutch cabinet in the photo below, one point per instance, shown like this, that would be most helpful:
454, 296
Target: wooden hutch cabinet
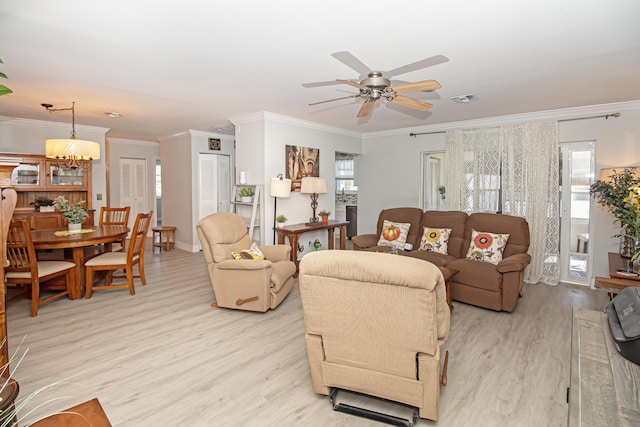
36, 176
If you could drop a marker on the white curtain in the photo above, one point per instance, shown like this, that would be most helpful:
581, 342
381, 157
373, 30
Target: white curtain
513, 169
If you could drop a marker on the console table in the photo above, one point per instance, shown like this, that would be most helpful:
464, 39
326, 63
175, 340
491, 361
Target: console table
605, 387
294, 231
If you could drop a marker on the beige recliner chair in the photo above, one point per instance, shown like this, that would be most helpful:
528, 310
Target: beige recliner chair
375, 324
245, 284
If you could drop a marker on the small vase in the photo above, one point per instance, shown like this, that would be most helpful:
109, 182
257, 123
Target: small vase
627, 243
325, 219
280, 224
75, 228
247, 199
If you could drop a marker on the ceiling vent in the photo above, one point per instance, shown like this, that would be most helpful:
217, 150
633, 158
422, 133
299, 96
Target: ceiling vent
464, 99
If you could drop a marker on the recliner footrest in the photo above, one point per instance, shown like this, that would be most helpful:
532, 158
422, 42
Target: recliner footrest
370, 414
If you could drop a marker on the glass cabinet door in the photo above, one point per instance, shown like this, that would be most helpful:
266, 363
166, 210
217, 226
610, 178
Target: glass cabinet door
66, 177
27, 174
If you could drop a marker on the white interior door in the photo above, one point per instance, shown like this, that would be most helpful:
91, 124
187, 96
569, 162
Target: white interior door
214, 184
133, 186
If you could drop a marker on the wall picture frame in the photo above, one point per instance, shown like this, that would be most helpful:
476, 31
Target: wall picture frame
214, 144
301, 162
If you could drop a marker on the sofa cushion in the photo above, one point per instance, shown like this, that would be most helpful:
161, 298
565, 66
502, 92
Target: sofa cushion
252, 253
456, 221
435, 240
441, 260
394, 234
486, 247
403, 215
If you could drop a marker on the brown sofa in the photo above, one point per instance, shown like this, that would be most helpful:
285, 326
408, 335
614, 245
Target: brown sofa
497, 287
375, 324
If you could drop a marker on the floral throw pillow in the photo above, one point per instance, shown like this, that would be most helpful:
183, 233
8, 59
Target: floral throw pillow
252, 253
394, 234
435, 240
487, 247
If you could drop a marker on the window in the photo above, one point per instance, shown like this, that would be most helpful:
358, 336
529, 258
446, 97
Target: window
345, 172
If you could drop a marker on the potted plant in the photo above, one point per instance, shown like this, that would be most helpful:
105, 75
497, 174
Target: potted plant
325, 216
614, 192
3, 89
73, 212
280, 220
246, 194
44, 204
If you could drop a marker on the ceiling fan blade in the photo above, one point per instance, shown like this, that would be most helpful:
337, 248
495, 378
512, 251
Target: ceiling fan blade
319, 84
411, 103
411, 87
354, 84
424, 63
366, 108
335, 99
352, 62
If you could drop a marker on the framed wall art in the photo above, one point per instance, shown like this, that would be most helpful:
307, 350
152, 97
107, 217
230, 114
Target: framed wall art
214, 143
301, 162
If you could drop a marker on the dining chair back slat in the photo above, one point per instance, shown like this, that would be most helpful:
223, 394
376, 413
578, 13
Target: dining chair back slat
115, 216
25, 271
113, 261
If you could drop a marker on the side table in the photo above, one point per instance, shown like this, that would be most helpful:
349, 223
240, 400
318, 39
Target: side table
166, 237
447, 274
617, 280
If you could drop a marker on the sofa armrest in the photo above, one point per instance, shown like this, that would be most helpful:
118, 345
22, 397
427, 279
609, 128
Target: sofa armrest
364, 241
276, 252
243, 264
517, 262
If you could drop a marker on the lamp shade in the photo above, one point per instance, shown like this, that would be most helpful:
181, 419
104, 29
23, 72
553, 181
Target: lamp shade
72, 148
280, 187
313, 185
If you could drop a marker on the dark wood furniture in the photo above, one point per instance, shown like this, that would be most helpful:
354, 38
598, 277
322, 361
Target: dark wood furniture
617, 280
447, 274
115, 216
102, 235
166, 237
8, 199
87, 414
294, 231
604, 386
36, 176
110, 262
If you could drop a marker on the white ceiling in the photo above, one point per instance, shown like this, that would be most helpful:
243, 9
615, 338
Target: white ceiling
173, 66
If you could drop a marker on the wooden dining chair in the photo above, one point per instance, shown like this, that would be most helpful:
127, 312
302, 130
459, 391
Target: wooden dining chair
26, 271
115, 216
112, 261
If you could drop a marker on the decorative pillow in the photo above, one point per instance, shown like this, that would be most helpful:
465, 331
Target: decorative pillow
435, 240
394, 234
487, 247
252, 253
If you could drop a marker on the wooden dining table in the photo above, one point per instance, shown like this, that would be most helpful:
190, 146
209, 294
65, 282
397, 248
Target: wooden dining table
76, 243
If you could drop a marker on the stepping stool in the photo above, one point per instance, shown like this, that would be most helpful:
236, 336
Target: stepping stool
166, 237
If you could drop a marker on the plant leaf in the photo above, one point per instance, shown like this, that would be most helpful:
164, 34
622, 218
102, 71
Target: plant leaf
3, 75
4, 90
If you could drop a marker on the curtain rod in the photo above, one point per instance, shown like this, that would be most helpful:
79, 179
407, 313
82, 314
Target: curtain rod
606, 117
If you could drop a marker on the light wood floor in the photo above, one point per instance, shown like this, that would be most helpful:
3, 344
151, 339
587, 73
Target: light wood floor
165, 357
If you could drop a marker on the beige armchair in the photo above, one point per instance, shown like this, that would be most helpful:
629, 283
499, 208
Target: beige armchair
375, 324
245, 284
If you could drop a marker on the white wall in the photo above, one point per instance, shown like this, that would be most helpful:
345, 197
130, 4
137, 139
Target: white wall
26, 136
267, 157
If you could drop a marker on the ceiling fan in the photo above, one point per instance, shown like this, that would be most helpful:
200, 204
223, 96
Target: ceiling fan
375, 85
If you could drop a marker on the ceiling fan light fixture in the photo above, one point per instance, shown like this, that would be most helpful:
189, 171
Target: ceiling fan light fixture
464, 99
113, 114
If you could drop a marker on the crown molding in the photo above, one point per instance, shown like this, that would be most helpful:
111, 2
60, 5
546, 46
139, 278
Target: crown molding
50, 125
268, 116
205, 134
559, 114
126, 141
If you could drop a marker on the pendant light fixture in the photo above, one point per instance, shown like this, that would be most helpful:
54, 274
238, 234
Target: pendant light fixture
71, 152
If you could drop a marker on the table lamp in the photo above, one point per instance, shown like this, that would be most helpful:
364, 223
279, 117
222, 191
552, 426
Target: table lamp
278, 187
313, 186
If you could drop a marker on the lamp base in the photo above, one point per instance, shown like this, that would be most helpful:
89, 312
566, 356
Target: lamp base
313, 221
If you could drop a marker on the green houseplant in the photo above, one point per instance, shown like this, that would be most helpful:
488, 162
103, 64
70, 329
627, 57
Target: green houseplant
3, 89
617, 193
44, 204
74, 213
281, 219
246, 193
325, 215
